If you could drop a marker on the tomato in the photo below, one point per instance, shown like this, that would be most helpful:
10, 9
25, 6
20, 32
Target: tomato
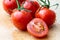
9, 5
21, 18
32, 6
37, 27
47, 15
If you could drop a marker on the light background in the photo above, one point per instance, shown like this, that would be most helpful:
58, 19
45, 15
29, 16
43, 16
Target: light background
9, 32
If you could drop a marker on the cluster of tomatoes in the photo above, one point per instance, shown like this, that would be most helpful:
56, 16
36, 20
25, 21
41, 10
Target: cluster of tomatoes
30, 15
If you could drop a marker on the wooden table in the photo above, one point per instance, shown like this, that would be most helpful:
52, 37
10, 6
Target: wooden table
9, 32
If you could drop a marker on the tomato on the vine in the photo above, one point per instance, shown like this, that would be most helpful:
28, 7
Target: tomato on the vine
37, 27
47, 15
9, 5
20, 19
31, 5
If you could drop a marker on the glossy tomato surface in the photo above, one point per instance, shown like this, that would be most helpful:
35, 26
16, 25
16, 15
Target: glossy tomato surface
47, 15
32, 6
21, 18
37, 27
9, 5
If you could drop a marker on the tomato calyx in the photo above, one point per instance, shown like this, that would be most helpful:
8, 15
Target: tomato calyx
46, 3
38, 27
21, 7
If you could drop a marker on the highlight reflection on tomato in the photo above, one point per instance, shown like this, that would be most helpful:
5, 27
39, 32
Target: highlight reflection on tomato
47, 15
31, 5
9, 5
37, 27
21, 18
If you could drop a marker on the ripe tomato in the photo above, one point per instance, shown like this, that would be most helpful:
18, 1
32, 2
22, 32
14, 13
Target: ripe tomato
31, 5
37, 27
21, 18
47, 15
9, 5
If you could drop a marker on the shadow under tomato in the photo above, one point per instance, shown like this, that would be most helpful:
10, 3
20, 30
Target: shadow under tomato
24, 35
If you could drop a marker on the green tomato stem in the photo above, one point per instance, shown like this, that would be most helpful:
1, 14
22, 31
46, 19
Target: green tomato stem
55, 5
18, 5
43, 2
48, 2
21, 7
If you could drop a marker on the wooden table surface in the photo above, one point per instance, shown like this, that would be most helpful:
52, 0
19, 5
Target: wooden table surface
9, 32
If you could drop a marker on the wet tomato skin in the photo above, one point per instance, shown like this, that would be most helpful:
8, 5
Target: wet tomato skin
47, 15
35, 33
20, 19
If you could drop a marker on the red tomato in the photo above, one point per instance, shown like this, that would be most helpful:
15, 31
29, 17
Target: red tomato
47, 15
31, 5
9, 5
21, 18
37, 27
